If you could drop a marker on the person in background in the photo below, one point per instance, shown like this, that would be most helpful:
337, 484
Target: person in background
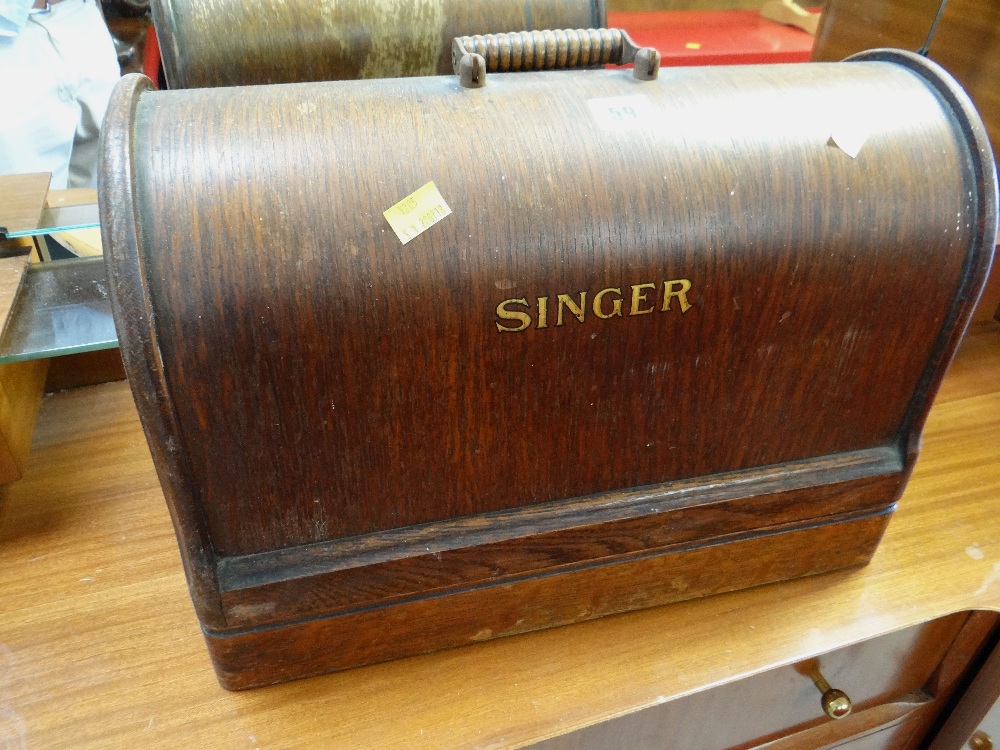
57, 69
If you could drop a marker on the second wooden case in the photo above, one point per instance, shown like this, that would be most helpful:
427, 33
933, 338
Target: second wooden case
208, 43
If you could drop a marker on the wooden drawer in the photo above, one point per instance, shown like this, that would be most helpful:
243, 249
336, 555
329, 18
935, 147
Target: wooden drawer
975, 721
898, 684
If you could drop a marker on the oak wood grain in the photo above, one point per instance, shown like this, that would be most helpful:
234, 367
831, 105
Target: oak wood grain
365, 474
344, 430
966, 41
507, 547
100, 645
263, 656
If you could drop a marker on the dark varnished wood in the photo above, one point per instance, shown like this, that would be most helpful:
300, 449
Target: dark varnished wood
140, 354
502, 547
357, 336
343, 433
268, 655
85, 368
208, 43
979, 700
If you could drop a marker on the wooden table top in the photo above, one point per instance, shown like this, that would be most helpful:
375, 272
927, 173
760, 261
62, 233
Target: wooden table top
99, 645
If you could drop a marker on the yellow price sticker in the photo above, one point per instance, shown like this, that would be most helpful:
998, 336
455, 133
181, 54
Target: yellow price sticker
417, 212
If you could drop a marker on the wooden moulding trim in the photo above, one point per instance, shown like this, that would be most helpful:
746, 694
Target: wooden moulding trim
137, 336
269, 655
979, 254
289, 584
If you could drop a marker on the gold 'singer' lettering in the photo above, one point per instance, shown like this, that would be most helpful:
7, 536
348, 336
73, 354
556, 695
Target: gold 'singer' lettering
579, 311
639, 297
523, 318
616, 305
515, 314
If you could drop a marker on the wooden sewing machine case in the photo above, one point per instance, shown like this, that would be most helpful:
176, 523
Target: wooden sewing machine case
672, 339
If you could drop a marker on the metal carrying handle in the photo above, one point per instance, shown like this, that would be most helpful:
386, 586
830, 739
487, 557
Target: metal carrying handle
474, 56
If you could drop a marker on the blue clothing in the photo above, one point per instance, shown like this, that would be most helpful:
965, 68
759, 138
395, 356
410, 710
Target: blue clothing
13, 16
56, 76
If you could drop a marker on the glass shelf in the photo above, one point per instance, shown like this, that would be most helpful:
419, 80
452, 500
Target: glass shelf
62, 307
61, 219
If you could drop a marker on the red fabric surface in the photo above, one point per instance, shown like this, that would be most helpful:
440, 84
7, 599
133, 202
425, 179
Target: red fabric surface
722, 37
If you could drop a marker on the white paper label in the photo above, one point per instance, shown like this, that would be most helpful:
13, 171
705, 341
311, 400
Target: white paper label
850, 136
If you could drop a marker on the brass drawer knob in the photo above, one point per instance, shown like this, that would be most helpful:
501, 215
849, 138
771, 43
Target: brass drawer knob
980, 741
836, 704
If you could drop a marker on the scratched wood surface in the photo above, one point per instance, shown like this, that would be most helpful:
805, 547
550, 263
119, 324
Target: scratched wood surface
402, 441
415, 410
99, 645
